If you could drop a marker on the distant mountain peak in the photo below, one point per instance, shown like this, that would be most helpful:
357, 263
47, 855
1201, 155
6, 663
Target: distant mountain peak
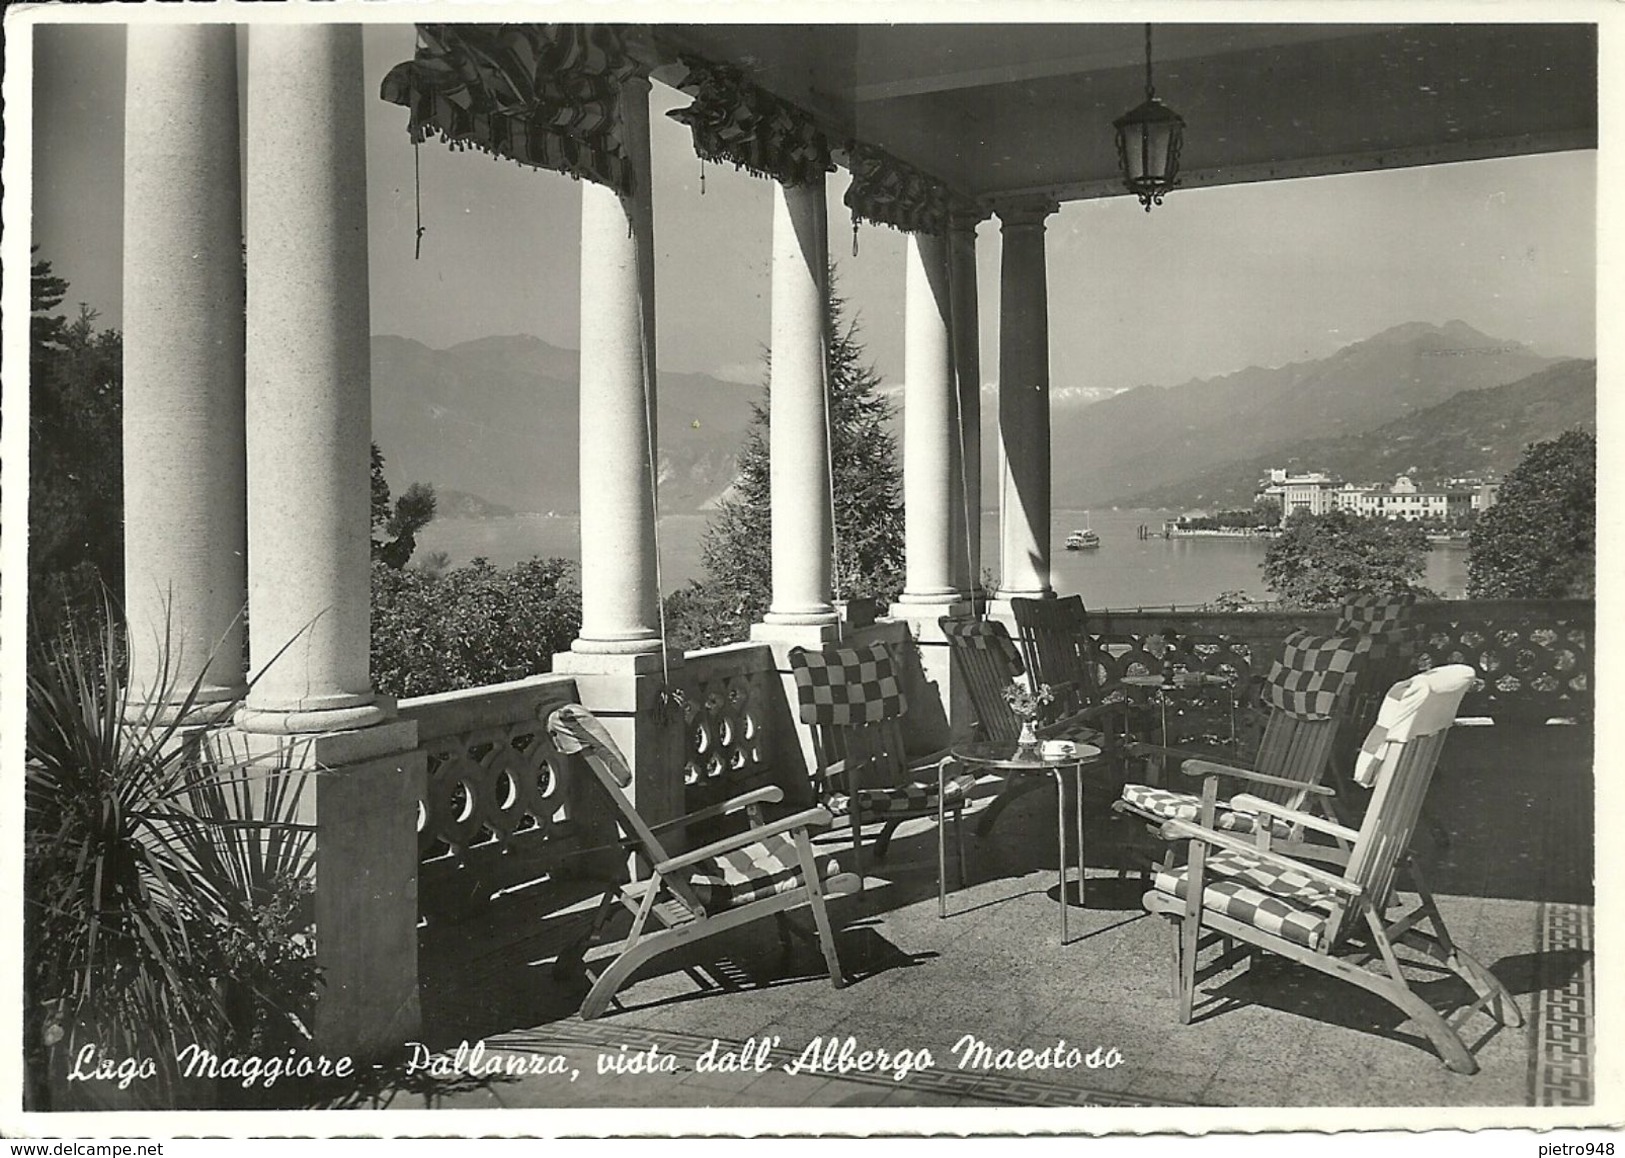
1455, 330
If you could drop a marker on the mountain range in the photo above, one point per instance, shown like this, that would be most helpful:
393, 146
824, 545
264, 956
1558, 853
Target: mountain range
496, 419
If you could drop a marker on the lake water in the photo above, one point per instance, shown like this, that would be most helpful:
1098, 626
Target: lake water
1125, 572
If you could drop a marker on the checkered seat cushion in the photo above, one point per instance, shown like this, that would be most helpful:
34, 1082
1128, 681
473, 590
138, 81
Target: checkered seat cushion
1312, 672
1274, 900
763, 869
1161, 804
843, 687
914, 799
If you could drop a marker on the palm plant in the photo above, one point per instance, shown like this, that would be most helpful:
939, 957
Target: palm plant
148, 864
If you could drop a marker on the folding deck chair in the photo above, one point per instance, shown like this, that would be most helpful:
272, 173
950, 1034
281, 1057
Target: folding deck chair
1338, 920
1307, 692
852, 699
764, 871
988, 662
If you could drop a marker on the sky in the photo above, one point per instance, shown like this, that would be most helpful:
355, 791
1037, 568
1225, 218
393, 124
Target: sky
1215, 280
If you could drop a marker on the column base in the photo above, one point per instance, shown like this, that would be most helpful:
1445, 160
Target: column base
639, 645
300, 721
812, 617
360, 790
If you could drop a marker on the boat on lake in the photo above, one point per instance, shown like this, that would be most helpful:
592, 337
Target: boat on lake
1083, 539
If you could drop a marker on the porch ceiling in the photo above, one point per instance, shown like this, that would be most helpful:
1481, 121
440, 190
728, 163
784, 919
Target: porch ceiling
1014, 109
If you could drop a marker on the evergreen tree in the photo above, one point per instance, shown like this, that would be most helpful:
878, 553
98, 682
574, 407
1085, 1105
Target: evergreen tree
1539, 540
867, 478
75, 460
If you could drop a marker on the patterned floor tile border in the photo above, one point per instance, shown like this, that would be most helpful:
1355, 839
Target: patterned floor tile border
1564, 1030
990, 1088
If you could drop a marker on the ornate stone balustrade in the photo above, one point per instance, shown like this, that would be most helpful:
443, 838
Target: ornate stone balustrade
740, 732
502, 807
1535, 657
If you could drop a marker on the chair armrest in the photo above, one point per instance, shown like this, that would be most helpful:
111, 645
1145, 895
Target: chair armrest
768, 794
1201, 767
1175, 829
1246, 803
807, 818
1142, 748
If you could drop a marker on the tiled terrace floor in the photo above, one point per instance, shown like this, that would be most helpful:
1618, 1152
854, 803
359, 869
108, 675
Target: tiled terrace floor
1514, 882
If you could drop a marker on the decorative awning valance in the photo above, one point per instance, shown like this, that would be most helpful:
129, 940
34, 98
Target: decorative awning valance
740, 122
540, 94
890, 192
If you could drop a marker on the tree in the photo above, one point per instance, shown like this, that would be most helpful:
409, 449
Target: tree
1267, 511
413, 511
867, 483
1321, 560
1539, 539
75, 459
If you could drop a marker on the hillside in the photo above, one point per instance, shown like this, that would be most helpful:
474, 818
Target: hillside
1125, 446
498, 418
1474, 432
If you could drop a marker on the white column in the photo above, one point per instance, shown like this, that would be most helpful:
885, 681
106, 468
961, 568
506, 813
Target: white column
620, 613
968, 376
930, 435
309, 382
1024, 432
184, 535
798, 430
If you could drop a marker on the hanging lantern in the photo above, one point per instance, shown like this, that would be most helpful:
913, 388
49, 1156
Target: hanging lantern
1149, 139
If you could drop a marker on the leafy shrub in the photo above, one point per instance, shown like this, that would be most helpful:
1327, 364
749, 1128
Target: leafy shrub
469, 626
1321, 560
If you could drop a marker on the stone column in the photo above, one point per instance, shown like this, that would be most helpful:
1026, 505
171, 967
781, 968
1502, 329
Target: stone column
620, 612
968, 376
801, 613
309, 383
1024, 433
930, 424
798, 433
931, 480
185, 561
312, 717
619, 659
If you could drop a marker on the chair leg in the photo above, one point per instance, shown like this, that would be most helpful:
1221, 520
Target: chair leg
569, 962
621, 969
1190, 932
1006, 797
883, 841
959, 841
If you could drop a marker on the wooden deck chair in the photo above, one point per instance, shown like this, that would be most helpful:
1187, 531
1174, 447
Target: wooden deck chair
1345, 922
986, 659
1307, 694
764, 871
1058, 650
852, 700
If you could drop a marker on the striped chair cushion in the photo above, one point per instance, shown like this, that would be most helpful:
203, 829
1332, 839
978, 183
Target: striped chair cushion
1312, 672
763, 869
839, 687
1277, 901
904, 799
1161, 804
985, 635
